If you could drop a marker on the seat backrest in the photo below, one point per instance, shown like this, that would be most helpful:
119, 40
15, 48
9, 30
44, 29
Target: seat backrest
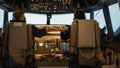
85, 33
88, 33
18, 35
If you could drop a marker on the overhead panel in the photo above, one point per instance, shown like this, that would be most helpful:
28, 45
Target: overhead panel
84, 3
104, 1
53, 6
50, 6
59, 6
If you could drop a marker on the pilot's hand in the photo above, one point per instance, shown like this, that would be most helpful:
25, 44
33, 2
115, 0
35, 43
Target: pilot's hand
63, 28
100, 57
47, 28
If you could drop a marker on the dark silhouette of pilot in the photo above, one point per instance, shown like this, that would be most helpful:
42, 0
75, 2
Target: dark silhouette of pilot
19, 16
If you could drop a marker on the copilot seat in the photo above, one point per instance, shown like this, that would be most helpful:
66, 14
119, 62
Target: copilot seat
85, 41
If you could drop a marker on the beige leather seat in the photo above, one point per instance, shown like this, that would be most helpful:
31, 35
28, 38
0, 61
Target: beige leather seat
19, 42
85, 40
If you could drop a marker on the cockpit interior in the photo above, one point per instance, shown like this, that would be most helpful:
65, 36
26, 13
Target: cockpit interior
50, 37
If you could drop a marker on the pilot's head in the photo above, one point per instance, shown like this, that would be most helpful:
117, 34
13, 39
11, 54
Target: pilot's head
18, 15
79, 15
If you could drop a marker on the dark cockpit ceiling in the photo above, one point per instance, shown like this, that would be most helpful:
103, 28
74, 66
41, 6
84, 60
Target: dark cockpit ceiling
56, 6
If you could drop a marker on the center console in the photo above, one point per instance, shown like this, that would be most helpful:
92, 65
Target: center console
51, 49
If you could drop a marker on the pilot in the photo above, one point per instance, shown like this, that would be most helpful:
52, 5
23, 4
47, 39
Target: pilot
74, 63
19, 16
65, 32
79, 15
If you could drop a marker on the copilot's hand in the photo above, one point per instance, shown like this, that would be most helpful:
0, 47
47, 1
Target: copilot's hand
100, 57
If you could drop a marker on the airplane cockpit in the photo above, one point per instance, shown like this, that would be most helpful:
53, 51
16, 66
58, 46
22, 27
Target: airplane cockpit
50, 37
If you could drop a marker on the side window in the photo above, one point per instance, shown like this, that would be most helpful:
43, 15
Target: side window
115, 17
1, 18
87, 15
99, 16
10, 16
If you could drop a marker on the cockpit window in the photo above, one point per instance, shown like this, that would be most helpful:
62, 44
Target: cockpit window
36, 18
10, 16
32, 18
62, 18
99, 16
115, 17
1, 18
87, 15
